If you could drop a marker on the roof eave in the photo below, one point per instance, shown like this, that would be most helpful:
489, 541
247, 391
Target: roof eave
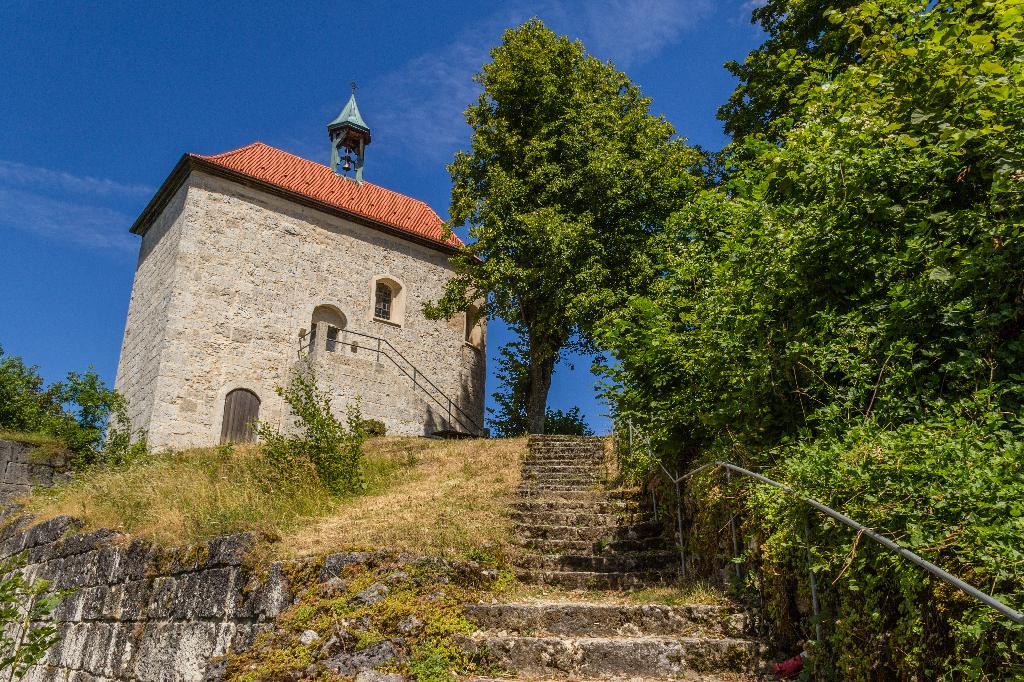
189, 163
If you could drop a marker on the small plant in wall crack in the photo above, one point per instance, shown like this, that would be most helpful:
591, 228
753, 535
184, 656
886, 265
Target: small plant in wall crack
26, 634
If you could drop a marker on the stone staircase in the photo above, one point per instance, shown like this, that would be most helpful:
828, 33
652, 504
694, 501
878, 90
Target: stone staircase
573, 532
593, 641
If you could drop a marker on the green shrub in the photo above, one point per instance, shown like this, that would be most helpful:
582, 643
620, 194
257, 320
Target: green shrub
374, 428
90, 419
334, 449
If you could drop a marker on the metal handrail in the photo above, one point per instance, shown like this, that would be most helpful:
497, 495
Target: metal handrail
967, 588
416, 376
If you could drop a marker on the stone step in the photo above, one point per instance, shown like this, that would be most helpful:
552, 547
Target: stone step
595, 454
689, 677
591, 532
526, 488
599, 563
578, 506
614, 657
583, 482
582, 619
559, 468
545, 545
580, 580
585, 495
576, 518
563, 474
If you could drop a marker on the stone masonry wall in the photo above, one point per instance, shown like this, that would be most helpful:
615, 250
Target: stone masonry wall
145, 614
142, 349
248, 270
23, 466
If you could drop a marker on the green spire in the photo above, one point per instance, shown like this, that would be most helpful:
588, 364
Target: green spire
350, 116
349, 136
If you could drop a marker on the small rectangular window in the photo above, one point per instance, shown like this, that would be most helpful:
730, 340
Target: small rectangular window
382, 303
332, 338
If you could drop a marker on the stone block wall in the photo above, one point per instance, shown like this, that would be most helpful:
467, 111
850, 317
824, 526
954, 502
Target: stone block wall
141, 613
24, 466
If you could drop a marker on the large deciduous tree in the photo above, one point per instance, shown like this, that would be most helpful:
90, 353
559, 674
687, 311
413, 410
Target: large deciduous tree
798, 34
569, 177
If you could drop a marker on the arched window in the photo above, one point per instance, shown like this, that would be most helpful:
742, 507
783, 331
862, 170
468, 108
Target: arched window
326, 323
382, 302
241, 410
387, 300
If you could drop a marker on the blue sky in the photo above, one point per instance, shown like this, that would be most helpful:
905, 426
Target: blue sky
99, 100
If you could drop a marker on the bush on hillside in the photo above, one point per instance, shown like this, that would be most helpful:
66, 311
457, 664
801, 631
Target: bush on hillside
331, 447
88, 418
374, 428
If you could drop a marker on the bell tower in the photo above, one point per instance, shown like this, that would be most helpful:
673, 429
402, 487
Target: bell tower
349, 136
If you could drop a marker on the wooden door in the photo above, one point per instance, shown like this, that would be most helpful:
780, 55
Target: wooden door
241, 410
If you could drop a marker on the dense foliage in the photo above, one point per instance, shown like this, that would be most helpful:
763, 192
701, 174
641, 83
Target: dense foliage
88, 418
509, 418
847, 311
329, 446
568, 176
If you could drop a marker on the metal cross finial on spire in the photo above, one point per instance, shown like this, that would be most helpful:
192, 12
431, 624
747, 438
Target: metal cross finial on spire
353, 84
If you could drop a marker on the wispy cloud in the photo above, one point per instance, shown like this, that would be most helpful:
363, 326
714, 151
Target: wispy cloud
631, 32
83, 210
13, 173
423, 121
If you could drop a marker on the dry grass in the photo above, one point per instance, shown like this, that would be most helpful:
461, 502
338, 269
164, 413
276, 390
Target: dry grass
452, 500
426, 496
45, 445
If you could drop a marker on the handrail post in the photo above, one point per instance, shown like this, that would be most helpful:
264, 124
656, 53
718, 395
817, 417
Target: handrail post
449, 411
679, 524
378, 350
732, 526
815, 607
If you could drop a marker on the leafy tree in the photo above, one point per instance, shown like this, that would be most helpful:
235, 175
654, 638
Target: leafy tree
799, 34
77, 411
849, 309
509, 418
569, 176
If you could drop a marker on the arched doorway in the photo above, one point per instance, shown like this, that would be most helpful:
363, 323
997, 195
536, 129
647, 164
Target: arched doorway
241, 410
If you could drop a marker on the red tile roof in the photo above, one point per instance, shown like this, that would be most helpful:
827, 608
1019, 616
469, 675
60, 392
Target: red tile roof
316, 181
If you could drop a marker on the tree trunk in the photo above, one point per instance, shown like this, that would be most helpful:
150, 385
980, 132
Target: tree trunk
542, 365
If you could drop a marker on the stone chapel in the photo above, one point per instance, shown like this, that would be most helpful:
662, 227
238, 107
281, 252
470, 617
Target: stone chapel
255, 260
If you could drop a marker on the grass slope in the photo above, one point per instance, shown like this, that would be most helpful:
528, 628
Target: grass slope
426, 496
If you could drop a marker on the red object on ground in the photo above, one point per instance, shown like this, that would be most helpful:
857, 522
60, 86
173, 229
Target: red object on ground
790, 668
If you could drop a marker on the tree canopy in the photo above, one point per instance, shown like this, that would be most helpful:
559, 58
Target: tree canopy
848, 308
569, 177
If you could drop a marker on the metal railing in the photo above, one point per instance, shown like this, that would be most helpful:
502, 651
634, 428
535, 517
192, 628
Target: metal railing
383, 348
730, 468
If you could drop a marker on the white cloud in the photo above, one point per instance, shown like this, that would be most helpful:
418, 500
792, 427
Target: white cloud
630, 32
17, 174
69, 208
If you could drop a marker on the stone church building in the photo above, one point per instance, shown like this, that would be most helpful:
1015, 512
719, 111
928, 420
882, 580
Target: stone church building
255, 260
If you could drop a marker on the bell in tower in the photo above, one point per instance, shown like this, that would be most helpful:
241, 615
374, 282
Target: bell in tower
349, 137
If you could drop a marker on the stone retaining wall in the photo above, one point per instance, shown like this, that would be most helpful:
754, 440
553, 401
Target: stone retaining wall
23, 466
142, 613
